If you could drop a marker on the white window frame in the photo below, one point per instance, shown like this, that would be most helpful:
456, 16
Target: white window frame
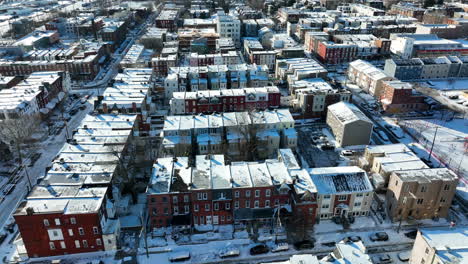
257, 193
73, 220
81, 231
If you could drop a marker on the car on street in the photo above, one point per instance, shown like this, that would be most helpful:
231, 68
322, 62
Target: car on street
179, 256
383, 259
411, 234
304, 244
379, 236
280, 247
229, 252
353, 238
404, 256
259, 249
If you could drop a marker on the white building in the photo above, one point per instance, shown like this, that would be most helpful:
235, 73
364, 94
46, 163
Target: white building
367, 77
228, 27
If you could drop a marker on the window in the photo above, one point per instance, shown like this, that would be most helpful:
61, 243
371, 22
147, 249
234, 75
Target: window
164, 199
95, 230
359, 195
70, 232
176, 210
257, 193
236, 194
247, 204
196, 208
77, 244
326, 196
228, 206
357, 204
73, 221
276, 201
174, 199
236, 204
446, 187
52, 245
223, 218
199, 196
442, 200
268, 193
155, 212
57, 221
205, 196
202, 220
216, 206
46, 222
186, 209
98, 242
229, 218
342, 197
325, 206
186, 198
166, 211
396, 183
427, 250
256, 204
247, 193
267, 203
81, 231
311, 211
420, 201
62, 244
423, 188
207, 207
85, 244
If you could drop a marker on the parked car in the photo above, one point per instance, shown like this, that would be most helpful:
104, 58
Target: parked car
347, 152
9, 188
383, 259
353, 238
404, 256
73, 111
379, 236
179, 256
3, 236
229, 252
259, 249
280, 247
411, 234
329, 244
304, 244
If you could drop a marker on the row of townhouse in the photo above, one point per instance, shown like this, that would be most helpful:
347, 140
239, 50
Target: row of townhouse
71, 210
239, 134
225, 100
228, 58
292, 70
394, 95
39, 93
84, 65
214, 77
213, 192
428, 68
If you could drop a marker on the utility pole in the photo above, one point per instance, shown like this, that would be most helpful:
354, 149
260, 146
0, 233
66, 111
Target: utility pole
432, 147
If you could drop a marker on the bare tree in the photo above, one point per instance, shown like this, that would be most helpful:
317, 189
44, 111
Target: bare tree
14, 132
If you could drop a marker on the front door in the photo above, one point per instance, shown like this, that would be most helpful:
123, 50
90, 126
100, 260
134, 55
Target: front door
338, 211
215, 219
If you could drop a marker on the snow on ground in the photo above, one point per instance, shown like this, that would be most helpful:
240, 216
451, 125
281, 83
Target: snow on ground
449, 141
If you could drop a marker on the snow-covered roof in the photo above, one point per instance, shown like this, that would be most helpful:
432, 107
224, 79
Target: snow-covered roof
260, 175
351, 252
240, 175
287, 156
426, 175
347, 113
451, 244
340, 180
278, 172
166, 171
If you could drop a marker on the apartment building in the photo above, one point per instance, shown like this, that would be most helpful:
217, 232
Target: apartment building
420, 194
213, 193
225, 100
440, 246
367, 77
233, 132
229, 58
256, 54
425, 45
382, 160
198, 39
228, 26
292, 70
407, 9
167, 18
70, 211
313, 96
114, 31
342, 191
349, 125
398, 96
